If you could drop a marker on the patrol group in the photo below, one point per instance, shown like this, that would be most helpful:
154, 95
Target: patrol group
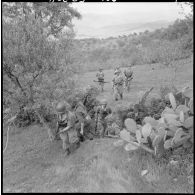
119, 81
72, 119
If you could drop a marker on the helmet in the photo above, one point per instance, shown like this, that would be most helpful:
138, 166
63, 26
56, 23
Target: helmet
75, 101
116, 72
100, 69
103, 102
62, 107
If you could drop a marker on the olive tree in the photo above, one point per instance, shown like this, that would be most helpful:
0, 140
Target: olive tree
37, 52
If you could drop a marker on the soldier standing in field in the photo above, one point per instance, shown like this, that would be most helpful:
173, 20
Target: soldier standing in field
118, 82
67, 126
102, 111
128, 77
100, 77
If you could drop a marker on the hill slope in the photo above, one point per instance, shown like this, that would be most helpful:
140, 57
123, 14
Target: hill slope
32, 163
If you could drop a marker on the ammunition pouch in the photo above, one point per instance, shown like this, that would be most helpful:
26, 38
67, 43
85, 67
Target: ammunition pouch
62, 124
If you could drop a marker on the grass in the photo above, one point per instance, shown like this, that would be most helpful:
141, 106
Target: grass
32, 163
145, 78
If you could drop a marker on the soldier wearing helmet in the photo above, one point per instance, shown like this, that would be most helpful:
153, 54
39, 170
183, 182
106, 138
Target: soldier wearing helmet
101, 112
82, 116
117, 70
128, 77
67, 126
100, 77
118, 82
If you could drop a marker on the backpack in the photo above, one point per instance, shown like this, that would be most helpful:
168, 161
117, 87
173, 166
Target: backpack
118, 80
128, 73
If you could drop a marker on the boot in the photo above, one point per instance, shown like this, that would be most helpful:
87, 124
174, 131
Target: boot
81, 138
121, 96
67, 152
78, 144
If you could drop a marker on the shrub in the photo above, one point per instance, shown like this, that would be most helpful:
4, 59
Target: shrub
173, 130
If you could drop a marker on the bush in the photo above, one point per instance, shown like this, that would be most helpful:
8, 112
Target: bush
172, 129
28, 116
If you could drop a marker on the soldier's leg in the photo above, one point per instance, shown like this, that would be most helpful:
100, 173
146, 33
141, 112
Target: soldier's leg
115, 94
126, 84
57, 135
78, 129
104, 124
100, 128
121, 96
118, 92
74, 141
129, 86
65, 142
121, 92
102, 87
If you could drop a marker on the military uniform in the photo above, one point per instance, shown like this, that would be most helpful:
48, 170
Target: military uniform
118, 82
102, 111
128, 77
67, 120
100, 77
81, 114
70, 136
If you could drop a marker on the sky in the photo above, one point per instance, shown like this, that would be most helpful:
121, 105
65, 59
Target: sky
168, 10
99, 15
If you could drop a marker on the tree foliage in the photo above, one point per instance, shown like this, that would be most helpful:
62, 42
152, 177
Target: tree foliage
36, 67
160, 46
54, 16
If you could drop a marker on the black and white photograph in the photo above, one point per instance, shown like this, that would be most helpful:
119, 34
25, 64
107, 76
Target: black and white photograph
97, 97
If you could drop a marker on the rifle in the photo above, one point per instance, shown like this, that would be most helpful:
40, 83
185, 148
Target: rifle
112, 89
96, 122
101, 81
85, 99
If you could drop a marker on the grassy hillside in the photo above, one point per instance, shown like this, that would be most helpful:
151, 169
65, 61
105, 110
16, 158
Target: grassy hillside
145, 77
116, 29
32, 163
163, 45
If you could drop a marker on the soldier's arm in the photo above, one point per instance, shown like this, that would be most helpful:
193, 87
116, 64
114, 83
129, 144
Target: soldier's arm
97, 112
65, 129
70, 124
109, 111
82, 127
113, 82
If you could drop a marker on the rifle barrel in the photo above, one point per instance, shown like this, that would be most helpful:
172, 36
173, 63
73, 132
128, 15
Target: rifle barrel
101, 81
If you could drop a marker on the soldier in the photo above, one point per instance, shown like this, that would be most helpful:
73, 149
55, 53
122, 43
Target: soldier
101, 112
82, 116
67, 126
100, 77
128, 77
117, 69
118, 82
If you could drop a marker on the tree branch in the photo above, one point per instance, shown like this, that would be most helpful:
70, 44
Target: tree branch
13, 78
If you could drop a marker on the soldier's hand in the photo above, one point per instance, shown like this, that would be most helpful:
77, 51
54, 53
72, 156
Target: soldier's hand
82, 132
88, 117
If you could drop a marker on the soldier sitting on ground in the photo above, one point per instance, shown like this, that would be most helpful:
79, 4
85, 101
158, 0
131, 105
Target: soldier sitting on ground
101, 112
67, 126
100, 77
